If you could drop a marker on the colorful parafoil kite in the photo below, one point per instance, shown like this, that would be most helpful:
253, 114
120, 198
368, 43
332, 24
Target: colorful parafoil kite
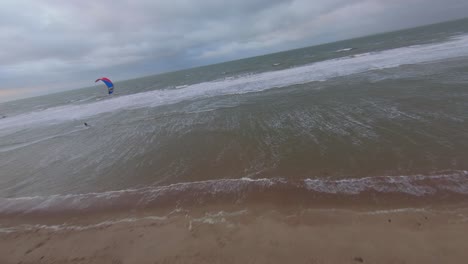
110, 85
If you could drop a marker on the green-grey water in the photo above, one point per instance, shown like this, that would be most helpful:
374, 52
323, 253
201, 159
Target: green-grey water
393, 104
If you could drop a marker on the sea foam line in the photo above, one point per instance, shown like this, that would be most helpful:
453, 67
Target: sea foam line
209, 218
67, 227
455, 182
319, 71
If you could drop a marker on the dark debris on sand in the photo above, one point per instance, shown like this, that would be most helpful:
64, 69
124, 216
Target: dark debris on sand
358, 259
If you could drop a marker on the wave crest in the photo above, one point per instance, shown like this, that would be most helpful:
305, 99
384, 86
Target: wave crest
245, 190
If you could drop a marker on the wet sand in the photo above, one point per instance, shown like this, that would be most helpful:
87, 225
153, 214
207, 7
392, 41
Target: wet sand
415, 235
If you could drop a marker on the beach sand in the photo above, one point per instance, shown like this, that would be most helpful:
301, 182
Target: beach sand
411, 235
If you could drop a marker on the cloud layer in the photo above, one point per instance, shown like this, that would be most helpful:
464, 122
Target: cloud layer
49, 45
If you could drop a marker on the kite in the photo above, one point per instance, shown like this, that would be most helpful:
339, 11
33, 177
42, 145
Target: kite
110, 85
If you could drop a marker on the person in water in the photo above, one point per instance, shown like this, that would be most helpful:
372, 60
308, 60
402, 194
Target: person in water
86, 124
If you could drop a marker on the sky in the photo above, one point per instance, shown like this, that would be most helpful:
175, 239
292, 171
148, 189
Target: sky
54, 45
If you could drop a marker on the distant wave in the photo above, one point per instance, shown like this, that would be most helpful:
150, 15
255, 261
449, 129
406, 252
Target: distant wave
319, 71
344, 50
277, 191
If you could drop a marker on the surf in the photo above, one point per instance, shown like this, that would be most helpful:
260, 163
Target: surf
254, 83
435, 187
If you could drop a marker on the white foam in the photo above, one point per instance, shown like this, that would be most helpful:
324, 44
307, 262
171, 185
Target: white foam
343, 50
397, 211
145, 195
245, 84
413, 185
455, 182
67, 227
209, 218
216, 218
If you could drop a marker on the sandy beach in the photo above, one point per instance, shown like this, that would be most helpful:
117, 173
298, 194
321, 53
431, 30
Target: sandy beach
406, 235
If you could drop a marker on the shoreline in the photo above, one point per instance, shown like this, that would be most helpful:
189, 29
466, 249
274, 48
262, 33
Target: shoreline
421, 219
441, 188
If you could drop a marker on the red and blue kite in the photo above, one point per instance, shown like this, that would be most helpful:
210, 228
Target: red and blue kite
110, 85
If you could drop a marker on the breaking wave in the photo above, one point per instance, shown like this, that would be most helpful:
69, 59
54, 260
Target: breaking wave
319, 71
245, 190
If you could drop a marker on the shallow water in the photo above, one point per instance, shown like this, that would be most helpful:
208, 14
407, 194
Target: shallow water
334, 119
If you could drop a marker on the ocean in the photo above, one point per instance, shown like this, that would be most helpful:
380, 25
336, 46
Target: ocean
380, 119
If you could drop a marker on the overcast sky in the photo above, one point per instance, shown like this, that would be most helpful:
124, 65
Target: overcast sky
53, 45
